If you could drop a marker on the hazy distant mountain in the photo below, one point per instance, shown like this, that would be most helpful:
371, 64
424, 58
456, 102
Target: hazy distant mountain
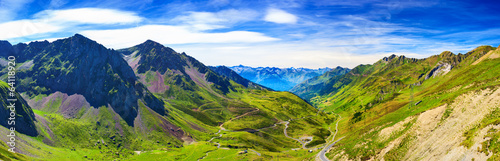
227, 72
280, 79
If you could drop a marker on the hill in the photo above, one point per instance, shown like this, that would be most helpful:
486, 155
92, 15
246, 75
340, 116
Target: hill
417, 109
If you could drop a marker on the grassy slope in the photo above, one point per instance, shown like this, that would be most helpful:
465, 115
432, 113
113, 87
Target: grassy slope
379, 95
311, 87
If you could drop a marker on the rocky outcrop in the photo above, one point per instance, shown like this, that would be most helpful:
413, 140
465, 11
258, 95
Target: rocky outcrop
439, 70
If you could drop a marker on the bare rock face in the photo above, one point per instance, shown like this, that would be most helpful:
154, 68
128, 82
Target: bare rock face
440, 69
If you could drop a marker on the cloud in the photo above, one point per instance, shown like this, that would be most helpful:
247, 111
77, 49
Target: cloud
216, 20
120, 38
280, 16
59, 20
21, 28
89, 16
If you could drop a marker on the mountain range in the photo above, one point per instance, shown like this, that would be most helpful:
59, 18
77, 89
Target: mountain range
78, 100
279, 79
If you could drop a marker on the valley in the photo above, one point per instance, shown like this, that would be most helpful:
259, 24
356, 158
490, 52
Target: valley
164, 105
148, 101
219, 80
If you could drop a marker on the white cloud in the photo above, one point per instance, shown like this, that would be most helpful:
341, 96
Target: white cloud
120, 38
280, 16
89, 16
58, 20
216, 20
21, 28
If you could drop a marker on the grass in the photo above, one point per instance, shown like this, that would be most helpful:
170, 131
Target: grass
191, 152
372, 100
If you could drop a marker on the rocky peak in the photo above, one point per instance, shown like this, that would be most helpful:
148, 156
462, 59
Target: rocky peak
389, 58
156, 57
5, 48
149, 45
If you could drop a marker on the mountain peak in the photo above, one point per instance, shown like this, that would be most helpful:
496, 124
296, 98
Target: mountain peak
151, 42
5, 48
78, 36
390, 57
446, 54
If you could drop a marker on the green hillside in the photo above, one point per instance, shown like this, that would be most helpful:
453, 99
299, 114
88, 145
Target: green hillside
373, 97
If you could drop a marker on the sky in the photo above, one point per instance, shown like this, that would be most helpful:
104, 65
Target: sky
275, 33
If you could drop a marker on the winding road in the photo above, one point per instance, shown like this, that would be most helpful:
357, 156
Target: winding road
224, 129
300, 141
321, 155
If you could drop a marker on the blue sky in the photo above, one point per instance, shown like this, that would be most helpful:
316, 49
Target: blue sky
281, 33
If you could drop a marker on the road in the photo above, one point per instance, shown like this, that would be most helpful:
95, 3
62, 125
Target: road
255, 152
284, 130
223, 129
274, 125
321, 155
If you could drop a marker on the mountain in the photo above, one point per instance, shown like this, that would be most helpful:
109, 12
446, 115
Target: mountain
441, 107
230, 74
212, 96
280, 79
24, 120
91, 102
78, 65
312, 87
